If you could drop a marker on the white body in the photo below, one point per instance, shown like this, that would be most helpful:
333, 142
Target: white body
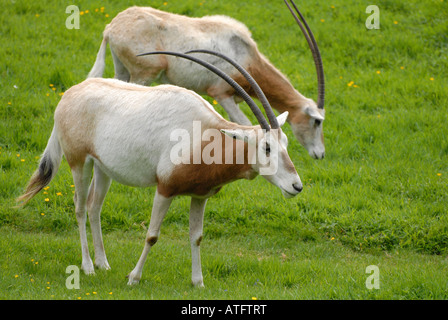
138, 30
122, 131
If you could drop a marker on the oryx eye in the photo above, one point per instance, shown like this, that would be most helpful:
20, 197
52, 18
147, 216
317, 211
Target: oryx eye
317, 122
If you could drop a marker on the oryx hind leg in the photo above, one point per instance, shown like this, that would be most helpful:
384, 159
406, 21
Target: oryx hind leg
97, 192
82, 173
121, 73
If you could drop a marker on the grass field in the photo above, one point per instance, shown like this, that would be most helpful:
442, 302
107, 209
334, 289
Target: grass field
378, 198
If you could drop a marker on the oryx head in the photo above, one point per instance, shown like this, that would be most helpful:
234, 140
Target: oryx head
269, 156
307, 121
307, 125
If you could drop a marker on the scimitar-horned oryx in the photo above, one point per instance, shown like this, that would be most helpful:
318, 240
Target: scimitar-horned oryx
142, 29
124, 132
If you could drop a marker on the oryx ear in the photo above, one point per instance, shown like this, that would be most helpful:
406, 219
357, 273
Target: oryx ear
239, 134
281, 119
313, 112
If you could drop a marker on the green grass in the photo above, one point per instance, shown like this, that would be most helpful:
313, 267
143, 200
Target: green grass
378, 198
241, 267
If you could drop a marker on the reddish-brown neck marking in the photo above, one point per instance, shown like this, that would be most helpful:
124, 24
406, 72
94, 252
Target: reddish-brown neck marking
277, 88
206, 179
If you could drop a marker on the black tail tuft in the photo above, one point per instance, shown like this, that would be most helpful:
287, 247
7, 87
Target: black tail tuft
38, 181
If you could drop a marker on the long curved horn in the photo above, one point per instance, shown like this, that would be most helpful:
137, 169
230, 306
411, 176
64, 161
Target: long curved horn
316, 53
264, 101
253, 106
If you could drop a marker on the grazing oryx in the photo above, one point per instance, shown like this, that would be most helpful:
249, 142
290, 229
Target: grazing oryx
125, 133
137, 30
